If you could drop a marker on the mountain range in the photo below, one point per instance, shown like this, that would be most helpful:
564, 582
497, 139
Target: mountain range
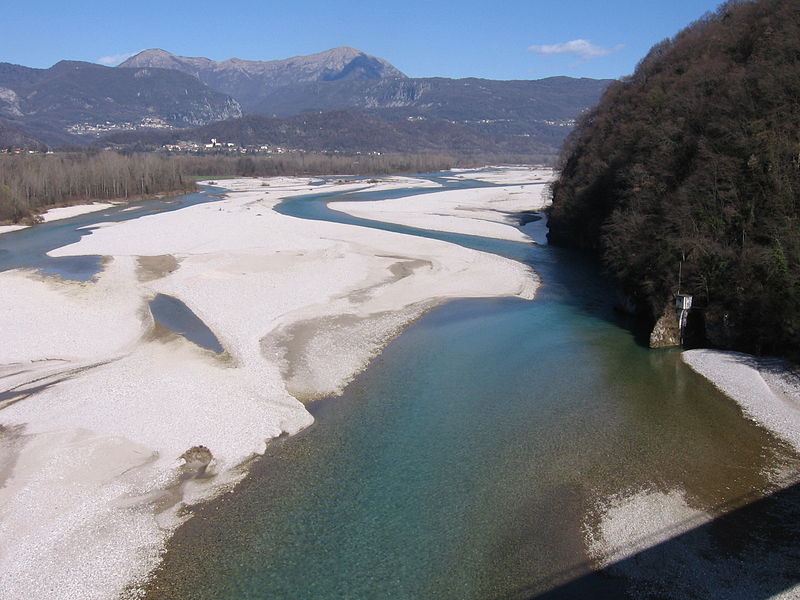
83, 103
249, 80
56, 105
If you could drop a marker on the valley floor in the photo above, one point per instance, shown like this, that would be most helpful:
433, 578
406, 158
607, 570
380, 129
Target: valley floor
99, 402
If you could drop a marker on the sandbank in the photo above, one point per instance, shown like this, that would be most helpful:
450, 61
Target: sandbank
485, 212
10, 228
99, 408
662, 547
64, 212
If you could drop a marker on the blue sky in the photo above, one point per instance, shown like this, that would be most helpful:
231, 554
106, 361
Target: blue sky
515, 39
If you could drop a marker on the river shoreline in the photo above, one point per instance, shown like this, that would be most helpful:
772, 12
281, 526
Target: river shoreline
767, 389
67, 211
101, 472
299, 307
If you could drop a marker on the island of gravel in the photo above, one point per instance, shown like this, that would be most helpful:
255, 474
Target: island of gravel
110, 425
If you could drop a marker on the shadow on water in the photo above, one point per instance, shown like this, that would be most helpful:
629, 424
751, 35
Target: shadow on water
176, 316
750, 553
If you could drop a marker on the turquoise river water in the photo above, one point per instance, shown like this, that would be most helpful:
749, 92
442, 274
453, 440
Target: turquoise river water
470, 458
474, 454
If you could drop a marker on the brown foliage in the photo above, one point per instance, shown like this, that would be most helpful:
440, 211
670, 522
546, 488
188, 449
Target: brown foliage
694, 162
32, 183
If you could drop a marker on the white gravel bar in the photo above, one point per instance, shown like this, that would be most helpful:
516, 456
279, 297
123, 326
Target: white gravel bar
98, 403
767, 389
64, 212
485, 212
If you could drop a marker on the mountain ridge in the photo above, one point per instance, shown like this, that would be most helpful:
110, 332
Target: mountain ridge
246, 80
337, 131
47, 103
161, 90
544, 109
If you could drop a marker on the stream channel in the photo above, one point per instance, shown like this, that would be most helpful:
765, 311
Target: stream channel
476, 453
473, 457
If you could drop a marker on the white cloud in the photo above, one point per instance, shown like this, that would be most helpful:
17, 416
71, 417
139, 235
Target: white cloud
116, 58
581, 48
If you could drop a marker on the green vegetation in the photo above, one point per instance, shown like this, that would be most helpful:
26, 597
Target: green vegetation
692, 166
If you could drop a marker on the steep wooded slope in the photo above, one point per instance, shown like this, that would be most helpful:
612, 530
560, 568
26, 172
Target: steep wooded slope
692, 166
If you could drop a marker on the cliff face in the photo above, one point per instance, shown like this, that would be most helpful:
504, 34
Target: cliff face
666, 333
691, 165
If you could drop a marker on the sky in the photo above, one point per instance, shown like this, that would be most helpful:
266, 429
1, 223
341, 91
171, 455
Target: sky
510, 39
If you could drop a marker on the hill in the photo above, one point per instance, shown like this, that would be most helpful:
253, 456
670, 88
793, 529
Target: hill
338, 131
348, 79
70, 100
12, 136
687, 175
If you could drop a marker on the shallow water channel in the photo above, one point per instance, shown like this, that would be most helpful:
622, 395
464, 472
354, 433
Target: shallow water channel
473, 456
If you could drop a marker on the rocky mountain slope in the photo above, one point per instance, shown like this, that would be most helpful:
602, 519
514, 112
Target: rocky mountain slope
71, 100
249, 80
349, 79
338, 131
79, 103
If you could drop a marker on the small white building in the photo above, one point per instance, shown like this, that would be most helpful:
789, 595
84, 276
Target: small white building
683, 301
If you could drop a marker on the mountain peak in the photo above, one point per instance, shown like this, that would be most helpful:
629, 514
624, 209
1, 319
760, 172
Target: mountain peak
250, 80
343, 52
152, 53
321, 66
156, 57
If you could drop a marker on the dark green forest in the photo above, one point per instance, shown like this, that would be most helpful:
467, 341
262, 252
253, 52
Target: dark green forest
32, 183
690, 169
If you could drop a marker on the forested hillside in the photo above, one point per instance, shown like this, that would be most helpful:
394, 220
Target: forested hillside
691, 166
342, 131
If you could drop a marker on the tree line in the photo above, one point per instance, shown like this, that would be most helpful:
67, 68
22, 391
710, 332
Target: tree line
686, 177
32, 183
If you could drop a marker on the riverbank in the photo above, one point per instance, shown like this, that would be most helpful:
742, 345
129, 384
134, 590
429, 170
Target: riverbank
99, 405
644, 536
63, 212
767, 389
477, 211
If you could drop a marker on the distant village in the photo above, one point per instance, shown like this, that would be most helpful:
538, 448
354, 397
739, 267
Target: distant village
97, 129
215, 146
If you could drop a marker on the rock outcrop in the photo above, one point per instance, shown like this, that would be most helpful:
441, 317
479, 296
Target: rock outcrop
666, 333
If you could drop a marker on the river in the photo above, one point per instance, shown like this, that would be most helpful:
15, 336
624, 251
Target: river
471, 459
